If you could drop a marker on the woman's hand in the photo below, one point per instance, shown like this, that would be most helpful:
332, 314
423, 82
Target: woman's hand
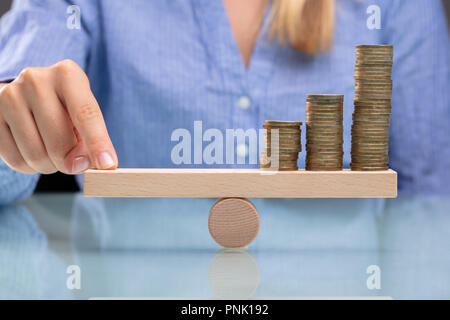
50, 121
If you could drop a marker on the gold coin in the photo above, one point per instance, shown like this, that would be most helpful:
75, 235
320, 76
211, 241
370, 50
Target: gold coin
325, 152
371, 112
375, 151
359, 139
379, 123
387, 47
330, 161
373, 60
365, 57
374, 95
325, 97
325, 148
369, 116
322, 161
283, 123
324, 144
328, 153
323, 125
323, 106
284, 150
283, 139
324, 130
283, 131
368, 168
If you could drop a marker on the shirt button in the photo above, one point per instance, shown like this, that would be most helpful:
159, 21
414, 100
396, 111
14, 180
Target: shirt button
244, 102
242, 150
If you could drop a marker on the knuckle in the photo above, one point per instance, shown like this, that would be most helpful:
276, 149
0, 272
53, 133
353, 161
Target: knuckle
58, 158
7, 98
87, 112
7, 93
18, 164
31, 77
67, 67
35, 160
28, 74
40, 163
15, 162
67, 64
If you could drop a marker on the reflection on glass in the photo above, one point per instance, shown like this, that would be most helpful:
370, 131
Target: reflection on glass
28, 269
161, 248
233, 274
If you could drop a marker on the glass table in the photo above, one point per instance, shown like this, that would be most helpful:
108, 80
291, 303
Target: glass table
67, 246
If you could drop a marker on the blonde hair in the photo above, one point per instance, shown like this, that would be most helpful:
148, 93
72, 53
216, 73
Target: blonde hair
307, 25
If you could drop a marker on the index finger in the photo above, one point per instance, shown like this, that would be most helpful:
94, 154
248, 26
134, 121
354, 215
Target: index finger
74, 90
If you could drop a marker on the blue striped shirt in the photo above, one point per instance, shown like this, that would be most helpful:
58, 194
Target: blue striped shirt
156, 66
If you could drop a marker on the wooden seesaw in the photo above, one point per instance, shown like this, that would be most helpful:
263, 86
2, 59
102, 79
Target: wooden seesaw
233, 220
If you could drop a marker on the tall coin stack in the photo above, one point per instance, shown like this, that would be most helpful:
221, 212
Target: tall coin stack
371, 117
324, 132
288, 145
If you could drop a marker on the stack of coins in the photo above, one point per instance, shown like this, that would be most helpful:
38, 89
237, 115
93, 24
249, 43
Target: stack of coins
371, 117
324, 132
282, 153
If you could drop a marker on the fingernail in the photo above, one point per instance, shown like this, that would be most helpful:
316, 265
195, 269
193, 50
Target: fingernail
105, 161
80, 165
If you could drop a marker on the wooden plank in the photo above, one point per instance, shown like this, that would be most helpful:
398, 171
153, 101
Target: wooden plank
245, 183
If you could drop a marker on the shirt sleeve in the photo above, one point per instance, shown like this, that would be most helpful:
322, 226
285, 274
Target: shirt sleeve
14, 185
420, 124
39, 33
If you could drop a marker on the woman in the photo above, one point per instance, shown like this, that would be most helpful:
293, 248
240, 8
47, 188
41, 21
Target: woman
156, 66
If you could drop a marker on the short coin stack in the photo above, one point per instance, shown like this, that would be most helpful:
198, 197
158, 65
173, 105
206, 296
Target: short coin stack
324, 132
371, 117
282, 153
